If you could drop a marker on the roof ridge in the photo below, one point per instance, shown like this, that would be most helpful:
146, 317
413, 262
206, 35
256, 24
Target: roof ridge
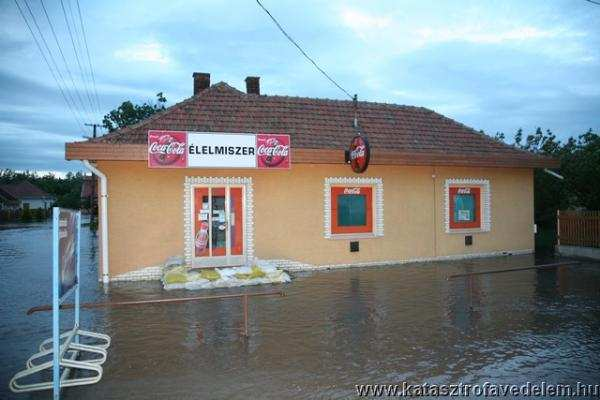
326, 99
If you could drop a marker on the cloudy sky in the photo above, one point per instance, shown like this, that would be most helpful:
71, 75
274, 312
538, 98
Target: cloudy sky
492, 65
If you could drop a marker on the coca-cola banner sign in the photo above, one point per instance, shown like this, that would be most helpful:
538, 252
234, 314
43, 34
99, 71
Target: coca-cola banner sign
167, 149
170, 149
273, 151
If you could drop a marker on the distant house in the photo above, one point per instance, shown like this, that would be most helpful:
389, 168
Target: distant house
25, 195
8, 202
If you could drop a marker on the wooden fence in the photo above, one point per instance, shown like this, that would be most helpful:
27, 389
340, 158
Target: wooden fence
579, 228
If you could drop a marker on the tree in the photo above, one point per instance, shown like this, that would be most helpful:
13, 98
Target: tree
580, 166
128, 113
499, 136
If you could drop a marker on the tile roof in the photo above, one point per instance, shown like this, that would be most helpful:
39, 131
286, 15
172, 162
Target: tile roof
24, 189
319, 124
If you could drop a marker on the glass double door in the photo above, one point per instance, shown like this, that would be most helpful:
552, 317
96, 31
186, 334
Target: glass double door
218, 226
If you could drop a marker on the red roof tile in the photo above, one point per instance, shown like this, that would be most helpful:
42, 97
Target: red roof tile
319, 124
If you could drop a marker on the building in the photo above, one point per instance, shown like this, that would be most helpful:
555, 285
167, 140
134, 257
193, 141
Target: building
433, 189
8, 202
25, 195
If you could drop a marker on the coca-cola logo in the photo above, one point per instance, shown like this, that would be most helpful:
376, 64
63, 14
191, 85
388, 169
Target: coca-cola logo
172, 147
273, 151
167, 149
464, 190
355, 190
359, 154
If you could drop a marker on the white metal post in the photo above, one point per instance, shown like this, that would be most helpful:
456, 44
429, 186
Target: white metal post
78, 283
55, 306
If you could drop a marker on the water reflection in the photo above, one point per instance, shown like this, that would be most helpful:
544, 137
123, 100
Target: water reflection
333, 330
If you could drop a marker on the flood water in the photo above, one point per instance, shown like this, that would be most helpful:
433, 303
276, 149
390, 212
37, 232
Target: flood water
332, 331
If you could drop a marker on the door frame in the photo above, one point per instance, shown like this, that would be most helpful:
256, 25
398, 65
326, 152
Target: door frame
191, 182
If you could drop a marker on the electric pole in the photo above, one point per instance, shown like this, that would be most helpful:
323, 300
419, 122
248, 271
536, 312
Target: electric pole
94, 126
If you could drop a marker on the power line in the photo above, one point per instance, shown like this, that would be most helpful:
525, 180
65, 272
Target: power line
81, 102
87, 50
593, 2
80, 46
60, 88
85, 88
59, 74
303, 52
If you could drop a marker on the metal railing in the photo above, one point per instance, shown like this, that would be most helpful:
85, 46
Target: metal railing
243, 296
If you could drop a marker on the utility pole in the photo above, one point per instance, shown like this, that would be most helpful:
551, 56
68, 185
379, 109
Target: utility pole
93, 195
94, 126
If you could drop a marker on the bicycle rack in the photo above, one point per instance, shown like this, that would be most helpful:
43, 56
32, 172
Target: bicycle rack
69, 351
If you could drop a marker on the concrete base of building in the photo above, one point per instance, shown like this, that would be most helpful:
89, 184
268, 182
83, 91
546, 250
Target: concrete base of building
578, 251
155, 272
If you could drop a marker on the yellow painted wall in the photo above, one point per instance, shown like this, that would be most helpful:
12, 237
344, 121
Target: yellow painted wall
145, 209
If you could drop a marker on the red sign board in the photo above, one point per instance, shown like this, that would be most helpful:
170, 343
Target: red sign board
272, 150
177, 149
167, 149
360, 153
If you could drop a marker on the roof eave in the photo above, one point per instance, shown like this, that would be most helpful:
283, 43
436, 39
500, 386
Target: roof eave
139, 152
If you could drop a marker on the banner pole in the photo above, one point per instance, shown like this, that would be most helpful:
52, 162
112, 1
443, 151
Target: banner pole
55, 307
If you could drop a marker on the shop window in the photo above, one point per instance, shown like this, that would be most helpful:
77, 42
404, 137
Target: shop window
467, 205
353, 207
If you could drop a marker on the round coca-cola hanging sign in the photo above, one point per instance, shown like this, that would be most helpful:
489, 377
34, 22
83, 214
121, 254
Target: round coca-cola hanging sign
360, 153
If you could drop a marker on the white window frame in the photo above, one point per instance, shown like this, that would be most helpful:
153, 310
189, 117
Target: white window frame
193, 181
377, 207
485, 204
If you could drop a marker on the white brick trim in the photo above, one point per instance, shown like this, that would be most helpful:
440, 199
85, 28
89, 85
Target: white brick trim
144, 274
377, 184
191, 181
294, 266
486, 204
155, 273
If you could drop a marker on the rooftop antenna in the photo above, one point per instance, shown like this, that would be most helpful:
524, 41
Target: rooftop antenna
355, 101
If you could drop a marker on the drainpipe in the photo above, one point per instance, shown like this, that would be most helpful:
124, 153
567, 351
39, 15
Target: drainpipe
433, 177
103, 218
